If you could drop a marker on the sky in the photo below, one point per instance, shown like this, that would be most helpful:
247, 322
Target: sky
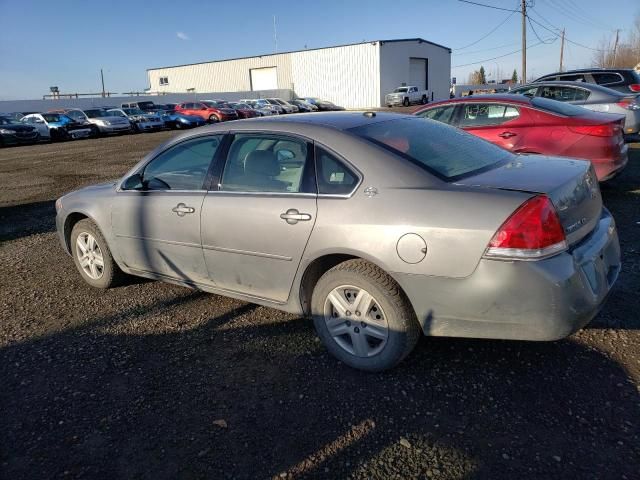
65, 43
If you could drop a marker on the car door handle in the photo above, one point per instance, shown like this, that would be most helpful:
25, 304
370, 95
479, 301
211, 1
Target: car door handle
293, 216
507, 134
181, 209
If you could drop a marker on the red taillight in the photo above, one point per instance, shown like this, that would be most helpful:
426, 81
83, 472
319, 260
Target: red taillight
533, 231
634, 87
606, 130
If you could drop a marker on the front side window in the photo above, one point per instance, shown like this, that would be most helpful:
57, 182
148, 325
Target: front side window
334, 177
479, 114
445, 151
267, 163
440, 114
182, 167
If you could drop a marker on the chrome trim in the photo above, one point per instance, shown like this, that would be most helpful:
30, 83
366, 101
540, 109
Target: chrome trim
262, 194
118, 189
498, 253
247, 252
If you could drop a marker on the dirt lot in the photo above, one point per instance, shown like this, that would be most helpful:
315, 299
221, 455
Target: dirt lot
156, 381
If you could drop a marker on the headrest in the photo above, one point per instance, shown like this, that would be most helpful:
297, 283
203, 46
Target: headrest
261, 162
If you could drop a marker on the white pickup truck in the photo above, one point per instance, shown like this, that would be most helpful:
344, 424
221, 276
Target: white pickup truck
406, 96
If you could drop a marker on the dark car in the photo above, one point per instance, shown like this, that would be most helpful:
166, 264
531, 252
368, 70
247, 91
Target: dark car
244, 110
592, 97
15, 133
304, 106
323, 105
622, 79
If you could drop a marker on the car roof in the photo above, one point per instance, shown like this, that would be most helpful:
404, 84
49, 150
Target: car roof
587, 70
491, 97
335, 120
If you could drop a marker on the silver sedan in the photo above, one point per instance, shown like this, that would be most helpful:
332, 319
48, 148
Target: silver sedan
378, 226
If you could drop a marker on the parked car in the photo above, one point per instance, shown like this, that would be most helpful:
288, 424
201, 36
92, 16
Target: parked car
277, 106
17, 116
304, 106
288, 107
173, 119
302, 214
591, 96
107, 123
244, 110
139, 120
80, 117
264, 107
538, 125
625, 80
406, 96
323, 105
13, 132
57, 126
145, 106
208, 110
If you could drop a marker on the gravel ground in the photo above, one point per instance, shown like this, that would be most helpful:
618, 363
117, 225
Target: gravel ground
156, 381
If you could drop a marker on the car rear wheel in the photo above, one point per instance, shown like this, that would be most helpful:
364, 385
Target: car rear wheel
213, 119
405, 102
424, 100
92, 256
363, 317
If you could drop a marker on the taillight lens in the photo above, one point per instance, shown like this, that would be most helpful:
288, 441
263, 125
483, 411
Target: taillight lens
629, 103
606, 130
532, 232
634, 87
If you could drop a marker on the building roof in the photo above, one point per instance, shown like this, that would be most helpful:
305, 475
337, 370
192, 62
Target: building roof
372, 42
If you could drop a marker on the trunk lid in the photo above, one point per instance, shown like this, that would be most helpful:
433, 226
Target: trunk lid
570, 184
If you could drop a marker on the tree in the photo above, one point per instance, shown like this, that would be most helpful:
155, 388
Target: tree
483, 77
514, 76
627, 53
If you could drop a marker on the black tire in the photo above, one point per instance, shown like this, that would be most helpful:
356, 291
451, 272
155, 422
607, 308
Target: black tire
213, 119
405, 102
111, 273
403, 328
424, 100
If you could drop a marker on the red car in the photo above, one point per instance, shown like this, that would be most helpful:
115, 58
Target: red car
538, 125
210, 111
244, 110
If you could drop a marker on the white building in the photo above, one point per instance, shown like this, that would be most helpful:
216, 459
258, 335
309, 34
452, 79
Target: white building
354, 76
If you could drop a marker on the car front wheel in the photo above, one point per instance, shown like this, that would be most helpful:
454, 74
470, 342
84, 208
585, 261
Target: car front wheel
363, 317
92, 256
213, 119
405, 102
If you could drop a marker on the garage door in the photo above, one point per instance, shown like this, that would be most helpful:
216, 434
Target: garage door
264, 78
418, 73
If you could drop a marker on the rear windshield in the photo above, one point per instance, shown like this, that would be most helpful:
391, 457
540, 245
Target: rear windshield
555, 106
445, 151
94, 113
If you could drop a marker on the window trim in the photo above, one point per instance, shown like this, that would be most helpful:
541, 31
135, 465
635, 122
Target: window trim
216, 178
142, 166
341, 159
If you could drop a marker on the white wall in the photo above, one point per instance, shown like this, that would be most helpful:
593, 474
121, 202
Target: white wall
347, 76
394, 67
222, 76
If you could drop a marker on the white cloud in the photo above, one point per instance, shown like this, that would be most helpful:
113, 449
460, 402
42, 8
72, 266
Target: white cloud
182, 36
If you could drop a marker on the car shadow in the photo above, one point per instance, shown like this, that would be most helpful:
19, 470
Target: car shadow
250, 393
17, 221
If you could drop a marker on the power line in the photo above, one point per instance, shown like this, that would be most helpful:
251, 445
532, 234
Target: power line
534, 30
565, 38
505, 55
485, 36
488, 6
488, 49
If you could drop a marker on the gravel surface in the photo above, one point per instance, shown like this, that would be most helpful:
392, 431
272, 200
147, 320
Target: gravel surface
156, 381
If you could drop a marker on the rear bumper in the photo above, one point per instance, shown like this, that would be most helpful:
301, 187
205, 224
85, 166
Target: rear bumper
538, 300
608, 168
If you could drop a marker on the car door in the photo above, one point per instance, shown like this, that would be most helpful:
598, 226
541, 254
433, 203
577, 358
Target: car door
38, 123
156, 212
256, 223
495, 122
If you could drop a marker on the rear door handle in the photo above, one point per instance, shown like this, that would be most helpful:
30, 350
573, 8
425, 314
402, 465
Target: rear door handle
181, 209
293, 216
507, 134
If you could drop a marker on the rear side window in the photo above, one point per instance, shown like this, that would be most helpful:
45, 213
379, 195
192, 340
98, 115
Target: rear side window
441, 114
573, 77
607, 78
445, 151
563, 93
333, 176
479, 114
526, 91
560, 108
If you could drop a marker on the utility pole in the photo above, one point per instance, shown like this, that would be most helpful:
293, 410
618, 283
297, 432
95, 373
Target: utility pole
275, 35
524, 42
615, 48
102, 78
561, 50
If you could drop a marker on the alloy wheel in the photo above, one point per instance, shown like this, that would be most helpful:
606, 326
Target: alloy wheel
90, 256
355, 320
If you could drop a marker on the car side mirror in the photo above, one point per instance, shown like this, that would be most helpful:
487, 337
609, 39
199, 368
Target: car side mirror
134, 182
